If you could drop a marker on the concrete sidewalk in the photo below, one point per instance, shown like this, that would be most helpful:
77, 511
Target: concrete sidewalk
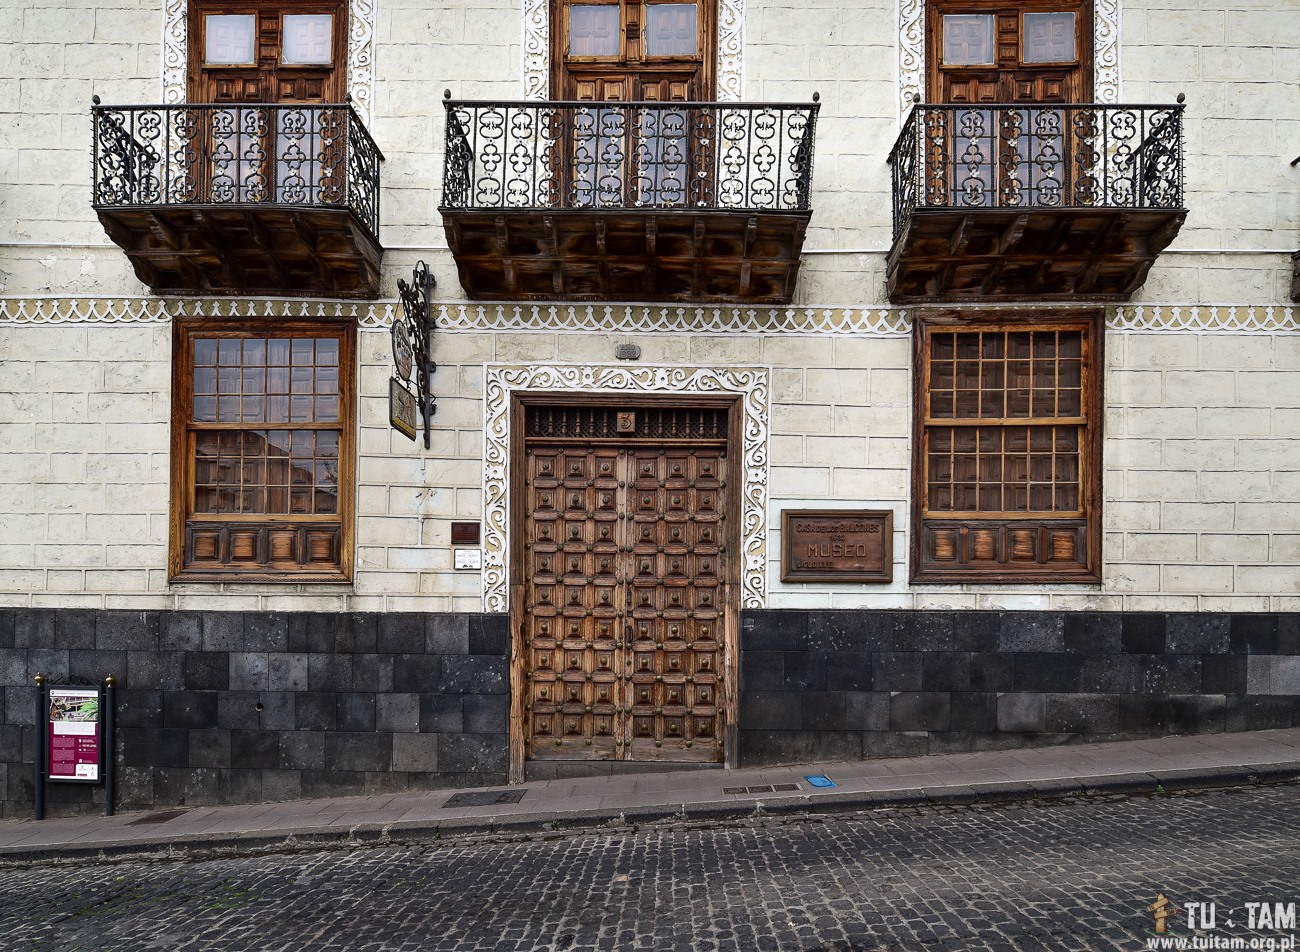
1133, 767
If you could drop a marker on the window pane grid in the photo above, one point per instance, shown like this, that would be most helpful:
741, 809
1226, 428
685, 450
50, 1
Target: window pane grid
266, 472
277, 380
1002, 453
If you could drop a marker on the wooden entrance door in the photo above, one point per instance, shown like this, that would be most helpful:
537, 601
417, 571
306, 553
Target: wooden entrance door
624, 608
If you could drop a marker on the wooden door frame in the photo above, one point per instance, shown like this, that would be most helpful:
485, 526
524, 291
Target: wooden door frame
520, 400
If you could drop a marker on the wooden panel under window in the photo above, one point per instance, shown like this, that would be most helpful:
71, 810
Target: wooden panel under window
262, 451
1007, 457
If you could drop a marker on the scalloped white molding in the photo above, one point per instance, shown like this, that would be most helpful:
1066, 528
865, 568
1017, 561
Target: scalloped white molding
911, 52
731, 50
361, 54
500, 381
622, 319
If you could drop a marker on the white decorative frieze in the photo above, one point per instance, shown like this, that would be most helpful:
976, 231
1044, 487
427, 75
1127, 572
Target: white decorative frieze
502, 381
911, 52
1205, 318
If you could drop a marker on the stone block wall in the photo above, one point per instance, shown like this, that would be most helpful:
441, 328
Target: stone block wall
240, 707
825, 685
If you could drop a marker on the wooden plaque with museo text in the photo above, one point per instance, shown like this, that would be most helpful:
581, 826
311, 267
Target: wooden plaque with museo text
837, 545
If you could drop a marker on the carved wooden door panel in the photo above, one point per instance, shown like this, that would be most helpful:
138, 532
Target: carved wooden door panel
624, 595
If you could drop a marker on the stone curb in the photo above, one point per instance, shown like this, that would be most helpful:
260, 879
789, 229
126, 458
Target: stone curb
198, 846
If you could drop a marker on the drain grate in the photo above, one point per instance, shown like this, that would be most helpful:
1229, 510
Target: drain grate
766, 788
484, 798
161, 817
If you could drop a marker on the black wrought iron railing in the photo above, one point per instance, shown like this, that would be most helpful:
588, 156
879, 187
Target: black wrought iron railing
1038, 156
642, 155
306, 155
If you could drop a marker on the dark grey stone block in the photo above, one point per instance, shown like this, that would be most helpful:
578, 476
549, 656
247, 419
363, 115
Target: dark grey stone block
920, 711
1199, 633
823, 711
417, 674
398, 713
372, 672
1196, 713
329, 672
851, 631
1144, 714
312, 633
164, 670
486, 714
134, 709
1038, 671
207, 671
489, 634
240, 786
358, 751
186, 786
1253, 634
447, 634
11, 744
762, 670
279, 786
848, 671
316, 711
288, 672
974, 712
130, 631
976, 631
1143, 633
223, 631
51, 662
1022, 712
805, 671
356, 712
866, 710
1092, 633
896, 671
279, 711
402, 633
237, 710
33, 628
416, 752
331, 783
895, 744
254, 749
1224, 674
74, 628
1082, 713
356, 634
180, 631
1171, 674
774, 747
442, 713
1111, 674
13, 666
945, 671
924, 631
189, 709
302, 750
156, 747
771, 710
266, 631
209, 747
952, 742
1250, 713
472, 674
774, 630
1031, 631
1288, 633
6, 628
250, 671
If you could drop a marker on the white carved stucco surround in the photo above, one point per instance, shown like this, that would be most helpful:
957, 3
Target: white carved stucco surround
911, 52
501, 381
731, 50
361, 54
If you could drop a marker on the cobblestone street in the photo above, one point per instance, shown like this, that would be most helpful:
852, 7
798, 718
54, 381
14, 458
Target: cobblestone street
1063, 874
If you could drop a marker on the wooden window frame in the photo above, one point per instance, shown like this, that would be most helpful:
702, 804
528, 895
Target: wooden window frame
183, 517
973, 535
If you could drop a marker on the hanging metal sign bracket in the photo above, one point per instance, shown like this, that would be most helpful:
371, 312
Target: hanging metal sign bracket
412, 338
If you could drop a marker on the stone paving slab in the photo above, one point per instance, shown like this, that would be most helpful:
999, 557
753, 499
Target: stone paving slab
1174, 763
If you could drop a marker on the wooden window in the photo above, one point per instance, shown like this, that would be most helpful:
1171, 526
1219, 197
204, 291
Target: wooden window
262, 452
1007, 458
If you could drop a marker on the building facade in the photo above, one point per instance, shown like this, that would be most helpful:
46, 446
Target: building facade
808, 381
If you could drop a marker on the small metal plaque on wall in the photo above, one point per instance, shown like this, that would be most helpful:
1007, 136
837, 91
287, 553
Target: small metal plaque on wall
401, 408
837, 545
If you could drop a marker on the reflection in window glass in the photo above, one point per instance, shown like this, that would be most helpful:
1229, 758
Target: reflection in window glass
968, 40
593, 30
1048, 38
229, 40
671, 29
308, 39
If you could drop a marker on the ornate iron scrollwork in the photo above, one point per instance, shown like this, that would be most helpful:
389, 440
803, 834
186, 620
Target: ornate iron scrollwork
417, 317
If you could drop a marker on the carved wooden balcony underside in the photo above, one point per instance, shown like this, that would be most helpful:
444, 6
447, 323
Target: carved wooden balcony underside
1295, 276
693, 256
1027, 254
247, 249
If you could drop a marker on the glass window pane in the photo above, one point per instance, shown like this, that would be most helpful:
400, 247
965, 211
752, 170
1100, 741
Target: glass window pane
205, 352
229, 40
308, 39
968, 40
593, 29
670, 29
1047, 38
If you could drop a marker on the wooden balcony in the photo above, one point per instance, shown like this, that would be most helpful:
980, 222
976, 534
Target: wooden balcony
656, 202
241, 199
1033, 203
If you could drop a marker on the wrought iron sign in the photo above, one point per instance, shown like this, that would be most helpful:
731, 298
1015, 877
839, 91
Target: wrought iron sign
412, 333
